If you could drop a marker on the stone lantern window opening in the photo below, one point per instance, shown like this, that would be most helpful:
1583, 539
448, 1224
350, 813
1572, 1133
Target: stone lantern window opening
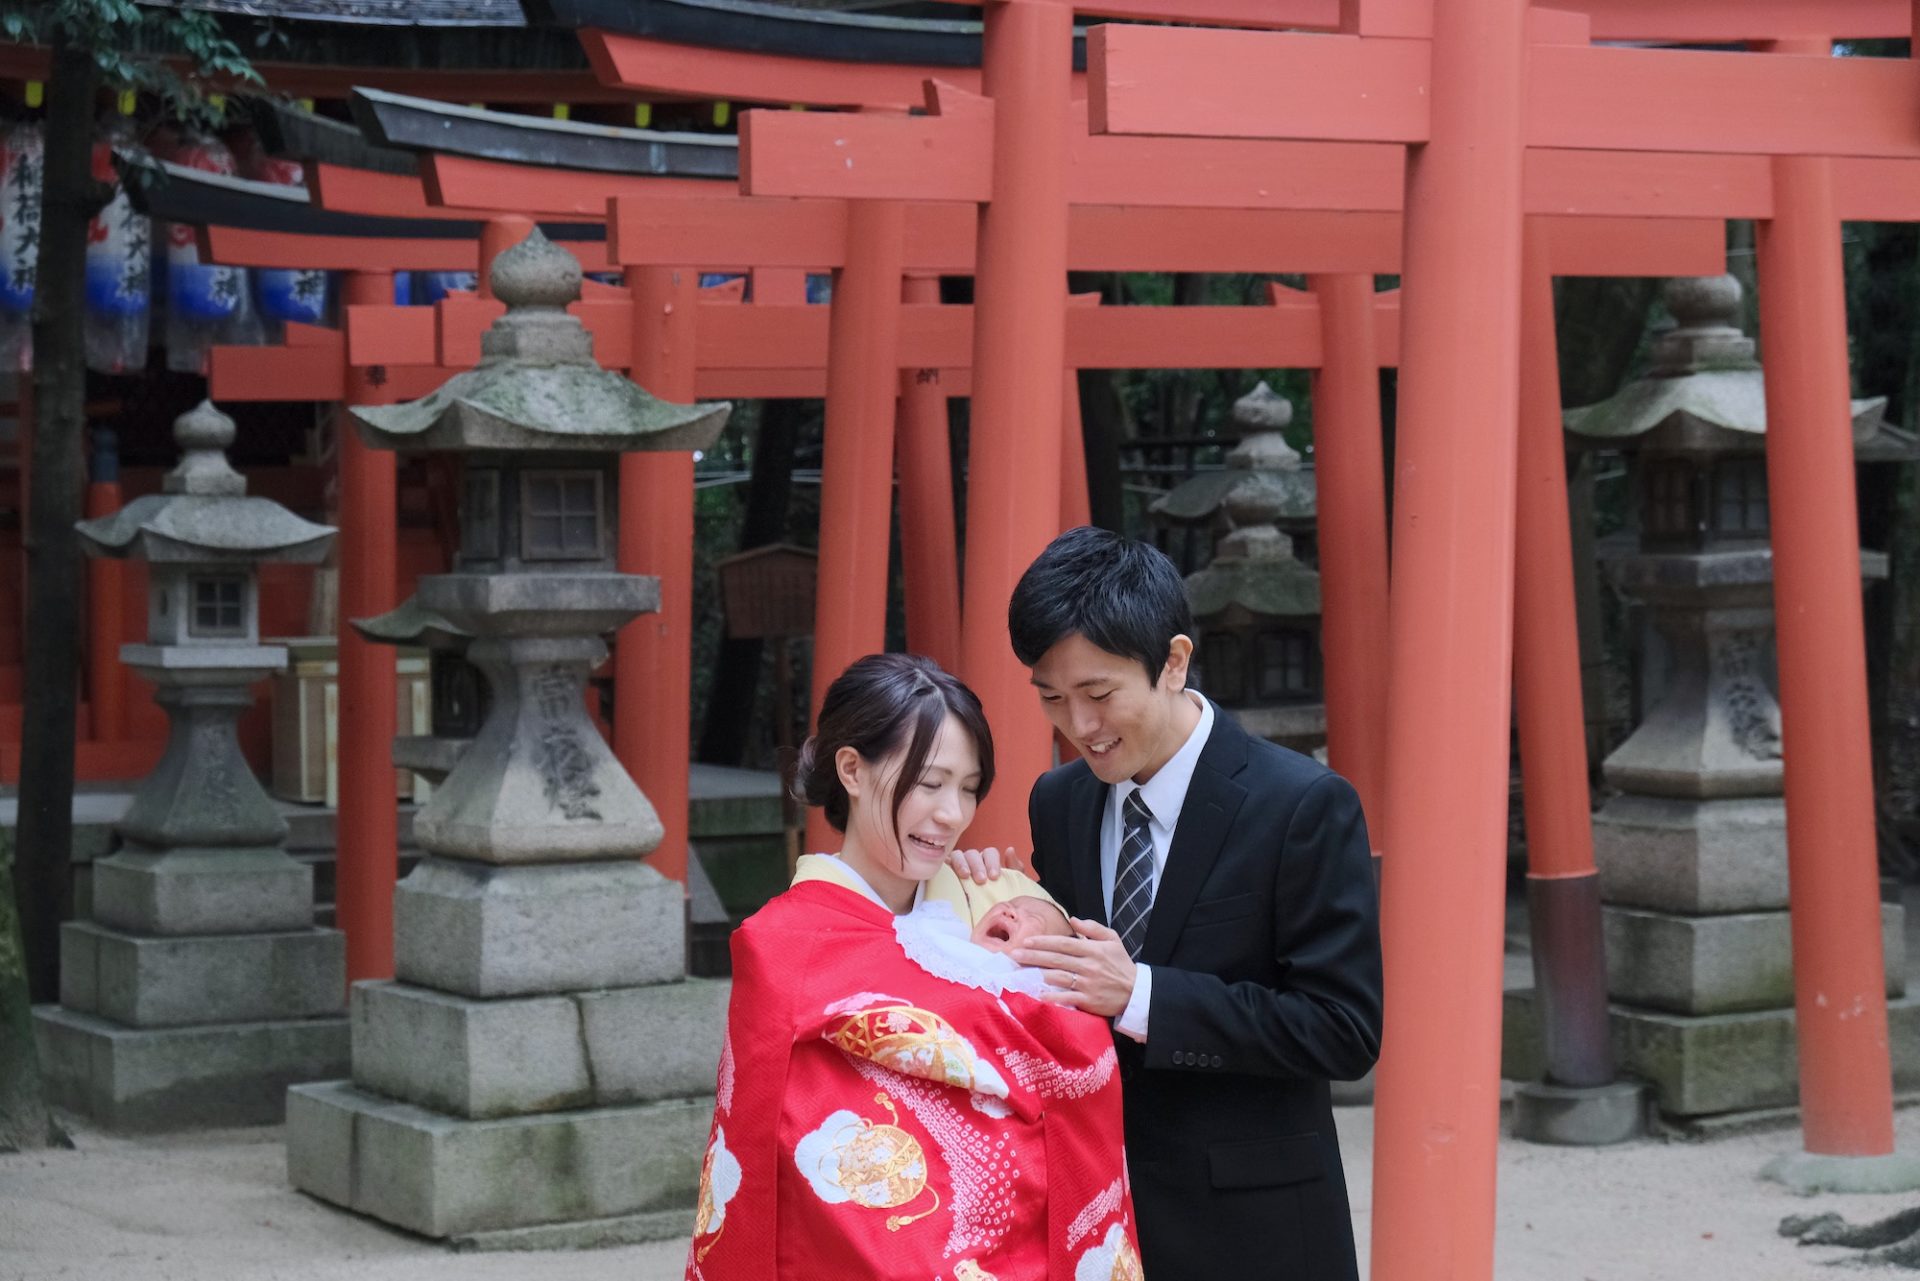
1288, 667
1671, 505
480, 513
219, 606
1249, 660
1740, 499
458, 694
561, 515
1222, 669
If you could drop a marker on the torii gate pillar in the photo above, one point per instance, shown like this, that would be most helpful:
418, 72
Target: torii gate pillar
368, 820
856, 467
653, 656
1443, 882
1019, 344
1840, 1012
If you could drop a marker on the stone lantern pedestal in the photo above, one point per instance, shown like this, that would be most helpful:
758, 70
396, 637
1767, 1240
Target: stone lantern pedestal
539, 1070
200, 989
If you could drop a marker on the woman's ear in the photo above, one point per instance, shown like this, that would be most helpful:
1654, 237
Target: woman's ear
847, 763
1179, 655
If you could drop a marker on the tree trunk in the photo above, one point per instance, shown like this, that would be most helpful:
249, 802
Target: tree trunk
1103, 425
736, 676
24, 1123
44, 837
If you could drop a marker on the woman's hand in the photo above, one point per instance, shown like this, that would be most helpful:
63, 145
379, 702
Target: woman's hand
979, 866
1092, 972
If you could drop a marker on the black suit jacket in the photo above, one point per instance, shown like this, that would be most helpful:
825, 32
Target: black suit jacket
1265, 947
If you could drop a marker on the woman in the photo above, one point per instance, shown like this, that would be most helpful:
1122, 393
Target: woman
872, 1120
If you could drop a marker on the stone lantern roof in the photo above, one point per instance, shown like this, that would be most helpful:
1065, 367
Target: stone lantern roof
203, 513
537, 387
1263, 460
1705, 393
411, 623
1254, 566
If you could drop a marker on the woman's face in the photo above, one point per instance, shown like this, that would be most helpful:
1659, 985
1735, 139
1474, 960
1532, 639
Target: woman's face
934, 808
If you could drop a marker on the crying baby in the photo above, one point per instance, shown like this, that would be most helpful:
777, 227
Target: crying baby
938, 941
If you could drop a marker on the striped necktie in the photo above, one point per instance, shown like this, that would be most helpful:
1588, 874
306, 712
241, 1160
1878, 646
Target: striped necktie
1133, 875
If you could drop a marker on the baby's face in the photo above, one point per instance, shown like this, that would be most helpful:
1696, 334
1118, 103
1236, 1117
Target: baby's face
1010, 924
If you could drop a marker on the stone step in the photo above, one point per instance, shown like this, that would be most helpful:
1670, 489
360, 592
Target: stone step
157, 981
520, 1055
152, 1079
442, 1176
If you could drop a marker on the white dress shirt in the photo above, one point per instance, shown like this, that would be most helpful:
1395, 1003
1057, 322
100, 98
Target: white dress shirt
1163, 794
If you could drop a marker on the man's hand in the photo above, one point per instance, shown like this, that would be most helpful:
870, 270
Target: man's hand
980, 866
1092, 972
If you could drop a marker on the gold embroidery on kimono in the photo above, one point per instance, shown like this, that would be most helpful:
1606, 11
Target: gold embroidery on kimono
876, 1166
915, 1042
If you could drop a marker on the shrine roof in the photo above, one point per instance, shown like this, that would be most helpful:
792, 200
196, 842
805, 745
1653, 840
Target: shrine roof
748, 26
401, 13
179, 194
395, 120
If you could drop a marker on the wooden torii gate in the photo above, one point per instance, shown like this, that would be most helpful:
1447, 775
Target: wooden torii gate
1794, 138
1186, 341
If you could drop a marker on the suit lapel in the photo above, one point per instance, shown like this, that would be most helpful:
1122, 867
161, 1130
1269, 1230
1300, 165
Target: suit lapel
1087, 803
1206, 816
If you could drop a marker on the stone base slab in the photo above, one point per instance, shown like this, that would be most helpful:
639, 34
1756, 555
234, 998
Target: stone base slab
1584, 1116
203, 891
445, 1177
1809, 1173
1692, 856
215, 978
520, 1055
1718, 964
485, 931
1702, 1065
151, 1079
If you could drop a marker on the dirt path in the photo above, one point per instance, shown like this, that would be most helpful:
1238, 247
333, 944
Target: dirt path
216, 1207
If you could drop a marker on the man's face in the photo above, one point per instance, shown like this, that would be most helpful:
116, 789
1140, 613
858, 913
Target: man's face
1124, 725
1011, 923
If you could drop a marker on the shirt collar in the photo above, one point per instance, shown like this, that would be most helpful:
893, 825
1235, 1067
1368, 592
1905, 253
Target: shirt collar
1166, 791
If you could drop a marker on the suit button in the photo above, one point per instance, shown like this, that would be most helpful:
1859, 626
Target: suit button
1216, 1060
1192, 1058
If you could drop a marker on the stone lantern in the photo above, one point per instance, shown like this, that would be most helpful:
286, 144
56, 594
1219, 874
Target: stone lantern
535, 1072
1692, 851
201, 988
1256, 606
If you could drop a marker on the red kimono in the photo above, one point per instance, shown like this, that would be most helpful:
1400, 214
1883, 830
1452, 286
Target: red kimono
874, 1121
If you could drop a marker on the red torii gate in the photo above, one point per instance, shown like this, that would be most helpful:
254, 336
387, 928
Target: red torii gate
1730, 132
709, 231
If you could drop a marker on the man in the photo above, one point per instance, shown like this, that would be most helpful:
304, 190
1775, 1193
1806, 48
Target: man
1223, 892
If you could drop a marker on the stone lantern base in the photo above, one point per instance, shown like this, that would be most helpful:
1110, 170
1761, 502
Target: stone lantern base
195, 997
1699, 950
538, 1074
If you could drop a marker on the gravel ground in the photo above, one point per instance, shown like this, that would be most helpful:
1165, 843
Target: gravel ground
216, 1206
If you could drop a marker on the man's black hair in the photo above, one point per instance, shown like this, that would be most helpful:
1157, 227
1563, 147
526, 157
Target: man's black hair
1124, 596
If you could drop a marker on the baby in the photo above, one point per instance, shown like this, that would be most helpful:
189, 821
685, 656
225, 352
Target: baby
938, 941
1011, 923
